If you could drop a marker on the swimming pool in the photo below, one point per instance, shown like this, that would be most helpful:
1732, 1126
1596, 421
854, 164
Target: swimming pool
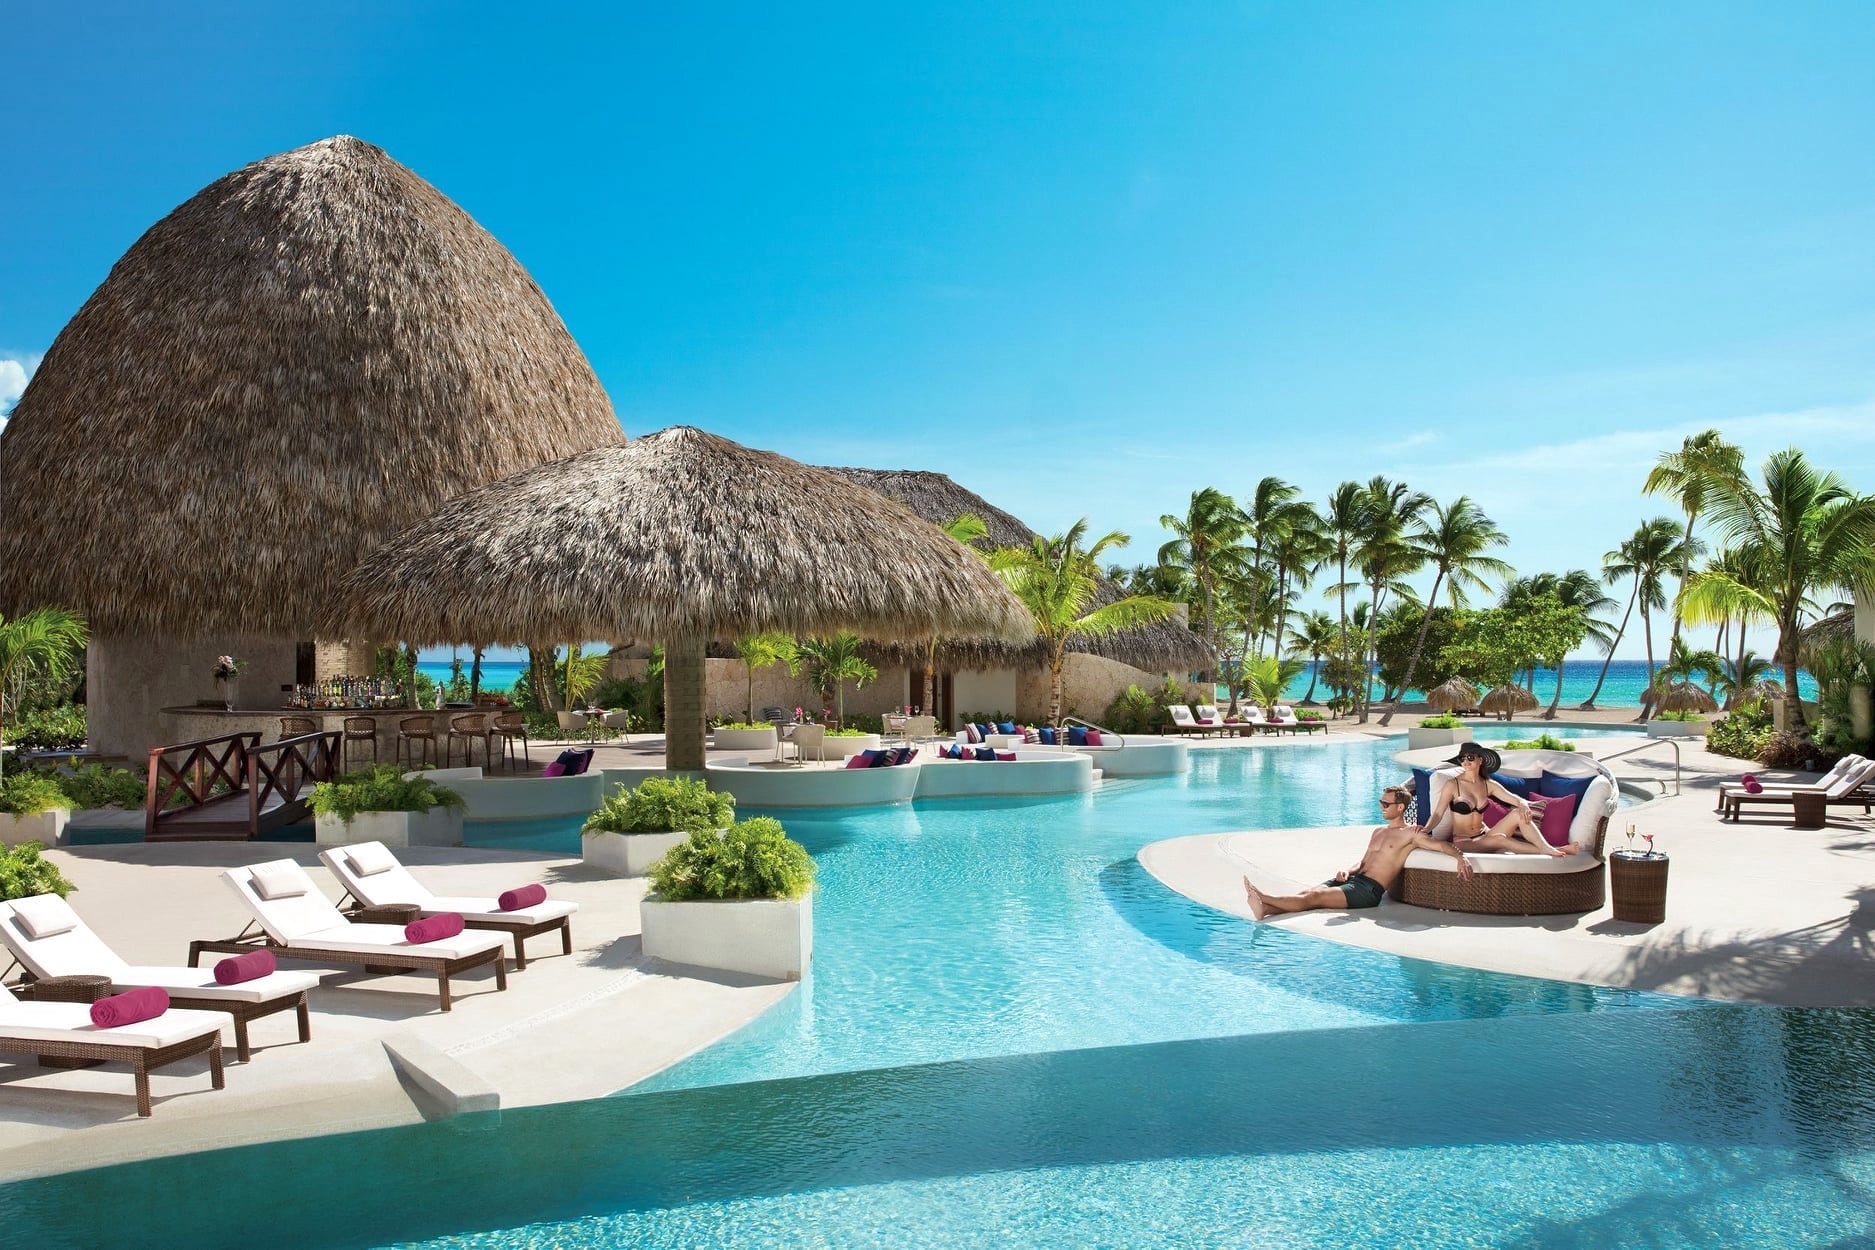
1011, 1036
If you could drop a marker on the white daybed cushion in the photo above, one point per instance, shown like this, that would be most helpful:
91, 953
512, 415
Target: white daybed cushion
200, 983
368, 859
1503, 861
71, 1022
288, 917
487, 908
280, 879
45, 915
1595, 801
372, 939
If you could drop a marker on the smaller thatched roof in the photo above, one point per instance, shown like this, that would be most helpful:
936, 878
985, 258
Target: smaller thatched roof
936, 498
678, 534
1508, 698
1453, 693
1685, 696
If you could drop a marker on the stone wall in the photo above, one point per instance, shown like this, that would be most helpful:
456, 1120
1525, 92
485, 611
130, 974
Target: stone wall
726, 689
1089, 684
131, 678
334, 658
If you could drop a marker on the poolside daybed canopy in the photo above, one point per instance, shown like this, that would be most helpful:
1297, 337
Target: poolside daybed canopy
679, 537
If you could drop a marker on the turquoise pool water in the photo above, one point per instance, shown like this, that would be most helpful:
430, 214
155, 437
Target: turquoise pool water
1012, 1036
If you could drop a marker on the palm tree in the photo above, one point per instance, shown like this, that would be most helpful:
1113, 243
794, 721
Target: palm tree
1296, 552
1276, 510
1642, 556
1315, 638
580, 673
1343, 523
969, 529
475, 672
1704, 466
1741, 677
1205, 546
1579, 588
834, 662
1058, 580
1453, 539
1805, 533
1385, 557
766, 651
44, 644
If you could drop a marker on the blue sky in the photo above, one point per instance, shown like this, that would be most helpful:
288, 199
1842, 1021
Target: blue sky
1083, 258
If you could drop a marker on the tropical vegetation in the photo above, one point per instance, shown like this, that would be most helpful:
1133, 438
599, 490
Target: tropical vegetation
41, 652
662, 805
380, 788
751, 859
24, 872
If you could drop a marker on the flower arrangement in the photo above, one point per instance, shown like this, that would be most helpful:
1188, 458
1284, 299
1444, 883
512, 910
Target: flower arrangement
227, 668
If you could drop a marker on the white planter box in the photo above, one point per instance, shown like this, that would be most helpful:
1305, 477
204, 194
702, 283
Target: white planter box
627, 854
1418, 739
46, 827
1676, 728
746, 739
840, 748
762, 937
440, 826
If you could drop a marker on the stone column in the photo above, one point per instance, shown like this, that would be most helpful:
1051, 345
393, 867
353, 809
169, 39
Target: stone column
685, 727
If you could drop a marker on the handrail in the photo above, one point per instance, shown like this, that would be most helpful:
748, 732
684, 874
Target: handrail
1653, 742
1119, 739
208, 762
286, 767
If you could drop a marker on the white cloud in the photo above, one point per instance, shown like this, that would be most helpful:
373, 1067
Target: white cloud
1411, 441
15, 372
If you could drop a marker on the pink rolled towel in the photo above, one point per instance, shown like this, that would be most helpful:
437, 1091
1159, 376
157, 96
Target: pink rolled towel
249, 967
434, 928
145, 1003
1751, 784
524, 897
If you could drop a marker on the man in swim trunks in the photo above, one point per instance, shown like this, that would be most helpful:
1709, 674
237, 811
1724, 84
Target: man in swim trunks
1363, 885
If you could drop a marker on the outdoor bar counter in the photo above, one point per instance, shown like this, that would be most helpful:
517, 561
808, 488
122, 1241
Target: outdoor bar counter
192, 723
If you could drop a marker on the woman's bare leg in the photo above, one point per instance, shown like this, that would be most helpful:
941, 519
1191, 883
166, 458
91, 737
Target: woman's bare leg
1526, 839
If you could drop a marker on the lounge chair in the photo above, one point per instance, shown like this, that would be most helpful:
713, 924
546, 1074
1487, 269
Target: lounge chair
1809, 805
68, 947
371, 874
65, 1031
1257, 722
1185, 723
1842, 768
1284, 717
297, 921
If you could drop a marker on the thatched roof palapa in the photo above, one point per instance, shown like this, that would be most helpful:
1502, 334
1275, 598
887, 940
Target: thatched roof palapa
1453, 693
678, 537
936, 498
1685, 696
1507, 699
311, 353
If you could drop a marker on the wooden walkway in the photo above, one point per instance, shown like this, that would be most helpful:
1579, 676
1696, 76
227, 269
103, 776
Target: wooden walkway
234, 787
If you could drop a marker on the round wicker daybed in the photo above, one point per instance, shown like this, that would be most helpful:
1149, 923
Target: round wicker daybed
1520, 885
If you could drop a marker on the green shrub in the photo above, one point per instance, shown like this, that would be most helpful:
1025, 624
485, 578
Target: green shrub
1444, 720
743, 724
849, 733
1743, 735
1542, 742
1309, 713
97, 785
863, 722
379, 788
50, 729
23, 873
661, 805
753, 858
1131, 712
29, 793
1681, 716
1792, 750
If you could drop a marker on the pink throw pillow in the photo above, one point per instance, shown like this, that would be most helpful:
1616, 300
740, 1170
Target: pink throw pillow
249, 967
555, 769
444, 924
1558, 815
131, 1007
1093, 737
858, 761
1751, 783
1005, 756
1494, 811
521, 897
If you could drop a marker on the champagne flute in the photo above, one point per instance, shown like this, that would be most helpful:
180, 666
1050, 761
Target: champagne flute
1630, 837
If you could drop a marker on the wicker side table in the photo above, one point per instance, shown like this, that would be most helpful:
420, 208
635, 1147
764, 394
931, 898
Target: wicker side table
390, 913
87, 988
1638, 880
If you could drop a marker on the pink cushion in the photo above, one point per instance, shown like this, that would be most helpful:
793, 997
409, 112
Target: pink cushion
144, 1003
555, 769
1494, 811
971, 734
249, 967
1093, 737
521, 897
433, 928
858, 761
1202, 720
1751, 783
1005, 755
1558, 815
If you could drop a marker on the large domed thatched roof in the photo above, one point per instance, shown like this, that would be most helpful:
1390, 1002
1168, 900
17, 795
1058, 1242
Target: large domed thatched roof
314, 352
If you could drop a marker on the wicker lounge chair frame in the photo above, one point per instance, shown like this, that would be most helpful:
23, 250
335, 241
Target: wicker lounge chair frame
1732, 802
143, 1060
1510, 893
1189, 724
241, 1012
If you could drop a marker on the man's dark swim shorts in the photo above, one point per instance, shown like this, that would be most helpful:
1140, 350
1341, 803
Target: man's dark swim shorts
1360, 891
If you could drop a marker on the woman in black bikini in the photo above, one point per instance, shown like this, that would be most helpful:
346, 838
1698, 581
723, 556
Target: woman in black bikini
1465, 797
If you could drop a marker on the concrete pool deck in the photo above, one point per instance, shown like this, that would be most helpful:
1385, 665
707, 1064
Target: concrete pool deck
569, 1027
1757, 912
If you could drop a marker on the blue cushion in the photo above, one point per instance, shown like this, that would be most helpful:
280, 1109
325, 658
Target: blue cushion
1519, 786
1048, 736
1554, 786
985, 753
1007, 727
1077, 736
953, 752
1422, 796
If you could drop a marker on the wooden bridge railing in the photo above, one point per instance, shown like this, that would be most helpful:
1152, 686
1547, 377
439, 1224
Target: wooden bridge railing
289, 769
192, 785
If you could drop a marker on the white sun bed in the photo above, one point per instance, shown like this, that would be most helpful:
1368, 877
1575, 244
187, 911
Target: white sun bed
50, 940
1182, 720
299, 922
371, 874
65, 1031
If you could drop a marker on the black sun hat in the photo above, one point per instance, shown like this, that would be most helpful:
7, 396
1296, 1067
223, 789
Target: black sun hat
1471, 750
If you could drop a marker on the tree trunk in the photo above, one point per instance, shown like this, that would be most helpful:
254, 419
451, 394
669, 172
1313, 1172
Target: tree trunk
540, 678
1647, 632
1686, 564
1551, 713
475, 675
1315, 671
1793, 699
685, 726
750, 670
1054, 685
1588, 704
1412, 663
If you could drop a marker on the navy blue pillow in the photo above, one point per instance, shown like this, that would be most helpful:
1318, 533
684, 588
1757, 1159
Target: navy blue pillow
1048, 736
1077, 736
1422, 796
953, 752
1555, 786
1519, 786
1007, 727
985, 753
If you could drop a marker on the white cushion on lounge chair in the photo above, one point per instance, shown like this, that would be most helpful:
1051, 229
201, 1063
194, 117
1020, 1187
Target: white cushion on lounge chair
201, 983
45, 915
280, 879
1503, 861
396, 885
71, 1022
311, 920
368, 859
372, 939
488, 909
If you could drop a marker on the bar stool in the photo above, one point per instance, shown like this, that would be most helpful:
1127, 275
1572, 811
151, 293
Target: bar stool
297, 726
468, 727
359, 729
412, 731
508, 726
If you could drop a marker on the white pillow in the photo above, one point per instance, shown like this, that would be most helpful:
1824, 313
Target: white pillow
371, 859
280, 879
45, 915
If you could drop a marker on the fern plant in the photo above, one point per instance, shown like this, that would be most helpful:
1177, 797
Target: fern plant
751, 859
28, 794
23, 873
662, 805
380, 788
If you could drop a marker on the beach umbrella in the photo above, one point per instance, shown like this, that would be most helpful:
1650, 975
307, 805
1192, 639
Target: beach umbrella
1507, 699
679, 537
310, 354
1684, 696
1452, 694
